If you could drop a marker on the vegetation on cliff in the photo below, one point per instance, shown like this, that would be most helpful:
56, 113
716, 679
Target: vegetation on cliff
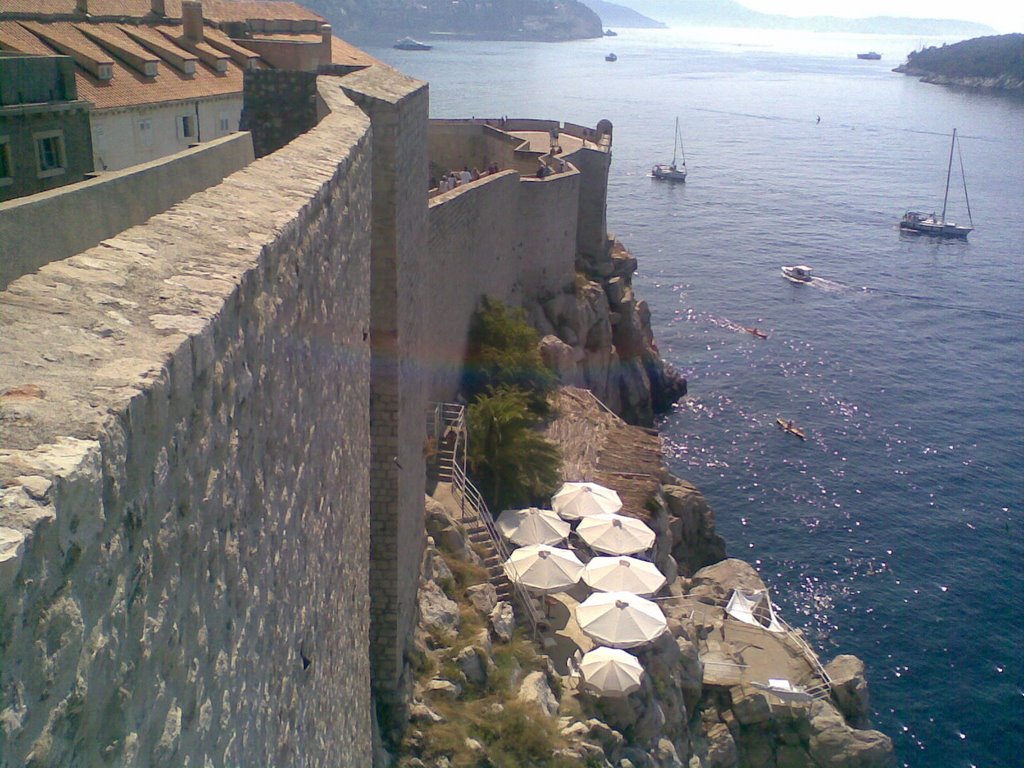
483, 19
997, 60
506, 384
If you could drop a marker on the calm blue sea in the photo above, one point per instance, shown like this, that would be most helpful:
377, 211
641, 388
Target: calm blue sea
894, 532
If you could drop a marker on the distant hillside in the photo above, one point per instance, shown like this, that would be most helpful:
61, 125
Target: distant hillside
728, 13
482, 19
989, 62
614, 15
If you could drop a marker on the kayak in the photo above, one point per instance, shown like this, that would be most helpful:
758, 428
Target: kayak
756, 332
786, 426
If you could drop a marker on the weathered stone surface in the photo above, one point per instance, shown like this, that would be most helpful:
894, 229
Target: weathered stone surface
535, 690
437, 610
445, 688
483, 597
721, 752
562, 358
695, 541
750, 705
834, 744
473, 663
716, 582
420, 712
502, 621
850, 689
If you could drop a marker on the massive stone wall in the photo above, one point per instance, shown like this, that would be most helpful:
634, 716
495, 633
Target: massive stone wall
510, 238
79, 216
184, 442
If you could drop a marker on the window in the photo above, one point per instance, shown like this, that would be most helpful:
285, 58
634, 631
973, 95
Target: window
146, 132
6, 169
187, 127
49, 153
224, 124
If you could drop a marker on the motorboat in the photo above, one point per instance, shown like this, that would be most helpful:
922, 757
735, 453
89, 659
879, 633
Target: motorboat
869, 56
611, 57
610, 33
408, 44
919, 223
676, 170
797, 273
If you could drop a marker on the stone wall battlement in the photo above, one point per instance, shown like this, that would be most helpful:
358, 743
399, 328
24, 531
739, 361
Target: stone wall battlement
175, 495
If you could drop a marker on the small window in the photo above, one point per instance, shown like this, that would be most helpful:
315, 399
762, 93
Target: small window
146, 132
50, 153
187, 127
6, 168
224, 124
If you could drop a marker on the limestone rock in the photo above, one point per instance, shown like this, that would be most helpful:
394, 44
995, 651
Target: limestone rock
473, 662
562, 358
420, 712
750, 705
434, 567
437, 611
502, 621
483, 597
716, 582
721, 747
535, 689
444, 688
850, 689
834, 744
695, 541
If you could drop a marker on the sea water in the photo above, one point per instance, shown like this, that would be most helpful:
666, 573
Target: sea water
894, 531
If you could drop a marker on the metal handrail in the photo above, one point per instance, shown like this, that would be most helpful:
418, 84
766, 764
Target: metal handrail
452, 416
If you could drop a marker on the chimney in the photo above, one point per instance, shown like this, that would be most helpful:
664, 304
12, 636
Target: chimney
82, 6
325, 44
158, 7
192, 19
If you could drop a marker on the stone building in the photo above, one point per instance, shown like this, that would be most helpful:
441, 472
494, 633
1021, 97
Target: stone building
44, 126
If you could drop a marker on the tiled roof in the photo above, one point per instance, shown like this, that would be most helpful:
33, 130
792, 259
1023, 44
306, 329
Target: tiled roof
213, 10
346, 53
127, 87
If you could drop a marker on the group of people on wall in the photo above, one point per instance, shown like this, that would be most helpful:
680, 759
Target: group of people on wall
454, 179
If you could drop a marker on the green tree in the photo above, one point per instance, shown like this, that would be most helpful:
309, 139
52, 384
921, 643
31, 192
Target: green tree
510, 461
502, 351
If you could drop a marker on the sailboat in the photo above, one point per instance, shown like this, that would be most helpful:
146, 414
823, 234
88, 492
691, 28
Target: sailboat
673, 172
927, 224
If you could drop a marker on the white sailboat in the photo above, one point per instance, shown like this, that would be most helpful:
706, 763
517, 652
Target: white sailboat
928, 224
675, 171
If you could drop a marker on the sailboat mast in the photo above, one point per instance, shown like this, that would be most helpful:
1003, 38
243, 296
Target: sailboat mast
949, 170
675, 144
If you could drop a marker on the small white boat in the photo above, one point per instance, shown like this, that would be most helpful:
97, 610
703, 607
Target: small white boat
408, 44
611, 57
673, 171
797, 273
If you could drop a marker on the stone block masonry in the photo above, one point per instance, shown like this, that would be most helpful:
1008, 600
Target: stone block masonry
184, 464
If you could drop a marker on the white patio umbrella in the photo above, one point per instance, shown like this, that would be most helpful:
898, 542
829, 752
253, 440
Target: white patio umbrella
610, 672
620, 619
616, 534
543, 569
623, 574
576, 500
532, 526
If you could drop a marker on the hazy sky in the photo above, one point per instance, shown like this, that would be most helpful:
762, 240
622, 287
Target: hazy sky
1004, 15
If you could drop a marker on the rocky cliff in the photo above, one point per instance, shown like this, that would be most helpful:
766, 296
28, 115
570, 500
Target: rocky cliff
486, 20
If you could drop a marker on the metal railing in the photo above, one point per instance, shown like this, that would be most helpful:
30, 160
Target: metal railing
452, 416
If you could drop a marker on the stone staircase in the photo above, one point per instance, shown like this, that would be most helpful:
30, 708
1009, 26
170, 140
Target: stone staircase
479, 536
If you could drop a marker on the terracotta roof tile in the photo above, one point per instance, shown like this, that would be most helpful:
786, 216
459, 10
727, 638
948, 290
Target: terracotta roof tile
63, 34
214, 10
346, 53
243, 10
14, 37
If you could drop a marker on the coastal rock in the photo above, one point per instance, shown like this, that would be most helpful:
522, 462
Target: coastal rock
692, 524
834, 744
721, 751
502, 621
714, 583
850, 689
561, 358
437, 611
535, 690
475, 663
484, 597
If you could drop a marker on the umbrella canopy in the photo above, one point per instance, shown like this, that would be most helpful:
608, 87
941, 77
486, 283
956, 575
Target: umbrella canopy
610, 672
576, 500
532, 526
543, 569
620, 619
623, 574
616, 534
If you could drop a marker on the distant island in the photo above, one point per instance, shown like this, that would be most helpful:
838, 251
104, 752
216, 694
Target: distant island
728, 13
615, 15
985, 62
546, 20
